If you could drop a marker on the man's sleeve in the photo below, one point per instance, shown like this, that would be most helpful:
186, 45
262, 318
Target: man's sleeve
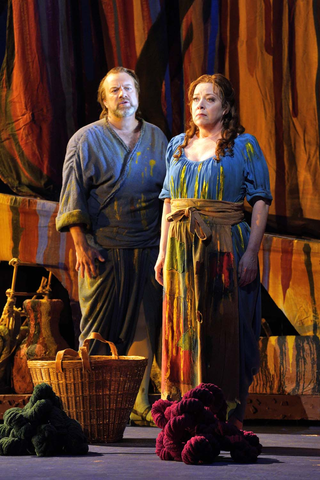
73, 207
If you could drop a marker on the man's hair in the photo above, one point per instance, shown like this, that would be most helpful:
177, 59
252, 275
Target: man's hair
101, 90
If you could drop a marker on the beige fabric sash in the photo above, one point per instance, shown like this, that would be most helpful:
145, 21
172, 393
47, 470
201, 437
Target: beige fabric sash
224, 213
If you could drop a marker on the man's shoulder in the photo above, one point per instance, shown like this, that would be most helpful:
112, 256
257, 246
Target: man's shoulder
150, 127
92, 129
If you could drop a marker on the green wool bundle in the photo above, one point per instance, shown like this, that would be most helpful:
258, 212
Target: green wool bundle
41, 428
12, 446
39, 412
76, 440
46, 441
4, 431
14, 418
43, 391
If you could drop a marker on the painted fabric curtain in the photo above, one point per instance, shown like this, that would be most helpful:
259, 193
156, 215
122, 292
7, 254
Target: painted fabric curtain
270, 51
57, 52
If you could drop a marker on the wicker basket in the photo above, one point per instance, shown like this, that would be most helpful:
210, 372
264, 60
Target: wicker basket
99, 391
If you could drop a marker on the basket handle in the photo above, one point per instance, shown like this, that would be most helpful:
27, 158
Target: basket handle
97, 336
84, 352
61, 354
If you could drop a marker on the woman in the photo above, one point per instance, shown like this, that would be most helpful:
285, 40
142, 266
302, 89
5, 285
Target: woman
208, 258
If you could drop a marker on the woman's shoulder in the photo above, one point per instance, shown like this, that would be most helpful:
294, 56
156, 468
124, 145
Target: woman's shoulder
174, 143
245, 138
247, 144
177, 140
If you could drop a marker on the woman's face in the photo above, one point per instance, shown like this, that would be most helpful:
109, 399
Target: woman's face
206, 109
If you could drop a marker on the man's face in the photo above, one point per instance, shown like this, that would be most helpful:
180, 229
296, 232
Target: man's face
121, 97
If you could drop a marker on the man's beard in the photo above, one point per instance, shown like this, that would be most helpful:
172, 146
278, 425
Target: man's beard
125, 112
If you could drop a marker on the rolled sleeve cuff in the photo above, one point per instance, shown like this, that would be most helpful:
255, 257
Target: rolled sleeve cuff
259, 193
66, 220
164, 194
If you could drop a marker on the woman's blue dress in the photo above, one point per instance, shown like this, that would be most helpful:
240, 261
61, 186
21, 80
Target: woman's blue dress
234, 177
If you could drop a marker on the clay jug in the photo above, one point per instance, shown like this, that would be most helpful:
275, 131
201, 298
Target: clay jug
43, 340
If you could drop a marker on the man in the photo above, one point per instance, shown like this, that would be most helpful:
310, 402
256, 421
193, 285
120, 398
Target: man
112, 176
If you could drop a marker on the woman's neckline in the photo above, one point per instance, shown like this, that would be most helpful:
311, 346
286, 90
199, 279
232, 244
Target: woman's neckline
198, 161
213, 157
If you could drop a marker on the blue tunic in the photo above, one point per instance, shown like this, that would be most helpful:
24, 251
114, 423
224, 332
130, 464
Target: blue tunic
112, 190
234, 177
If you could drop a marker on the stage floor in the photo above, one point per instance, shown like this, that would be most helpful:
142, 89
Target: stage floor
289, 452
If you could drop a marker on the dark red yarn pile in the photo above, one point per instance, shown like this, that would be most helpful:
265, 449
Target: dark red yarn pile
194, 430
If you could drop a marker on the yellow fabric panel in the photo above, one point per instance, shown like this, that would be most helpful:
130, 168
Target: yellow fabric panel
288, 366
273, 63
290, 272
6, 243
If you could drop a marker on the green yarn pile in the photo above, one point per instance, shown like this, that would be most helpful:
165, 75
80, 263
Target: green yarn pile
41, 428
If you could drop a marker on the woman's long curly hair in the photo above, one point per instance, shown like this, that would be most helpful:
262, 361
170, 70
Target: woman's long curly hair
231, 126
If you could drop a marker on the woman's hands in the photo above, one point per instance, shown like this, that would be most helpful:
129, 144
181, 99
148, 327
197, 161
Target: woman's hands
158, 268
248, 265
247, 269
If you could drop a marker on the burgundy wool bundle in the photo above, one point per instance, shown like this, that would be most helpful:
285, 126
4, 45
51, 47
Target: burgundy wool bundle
158, 412
160, 448
194, 430
207, 417
207, 428
173, 448
189, 405
177, 427
219, 405
243, 452
253, 440
198, 450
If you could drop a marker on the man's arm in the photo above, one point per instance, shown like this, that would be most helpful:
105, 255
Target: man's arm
86, 255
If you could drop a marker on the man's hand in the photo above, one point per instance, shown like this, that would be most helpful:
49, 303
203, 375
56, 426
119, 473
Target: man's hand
86, 260
86, 255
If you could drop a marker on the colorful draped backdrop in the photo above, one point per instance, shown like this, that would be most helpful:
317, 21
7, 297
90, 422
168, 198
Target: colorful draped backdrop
57, 52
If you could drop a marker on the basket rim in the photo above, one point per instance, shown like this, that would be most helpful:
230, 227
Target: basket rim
93, 359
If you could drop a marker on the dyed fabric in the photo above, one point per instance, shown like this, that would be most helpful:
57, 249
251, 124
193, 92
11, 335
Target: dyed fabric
168, 44
29, 233
112, 190
110, 302
77, 43
234, 177
212, 286
290, 272
57, 52
269, 50
289, 365
49, 77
